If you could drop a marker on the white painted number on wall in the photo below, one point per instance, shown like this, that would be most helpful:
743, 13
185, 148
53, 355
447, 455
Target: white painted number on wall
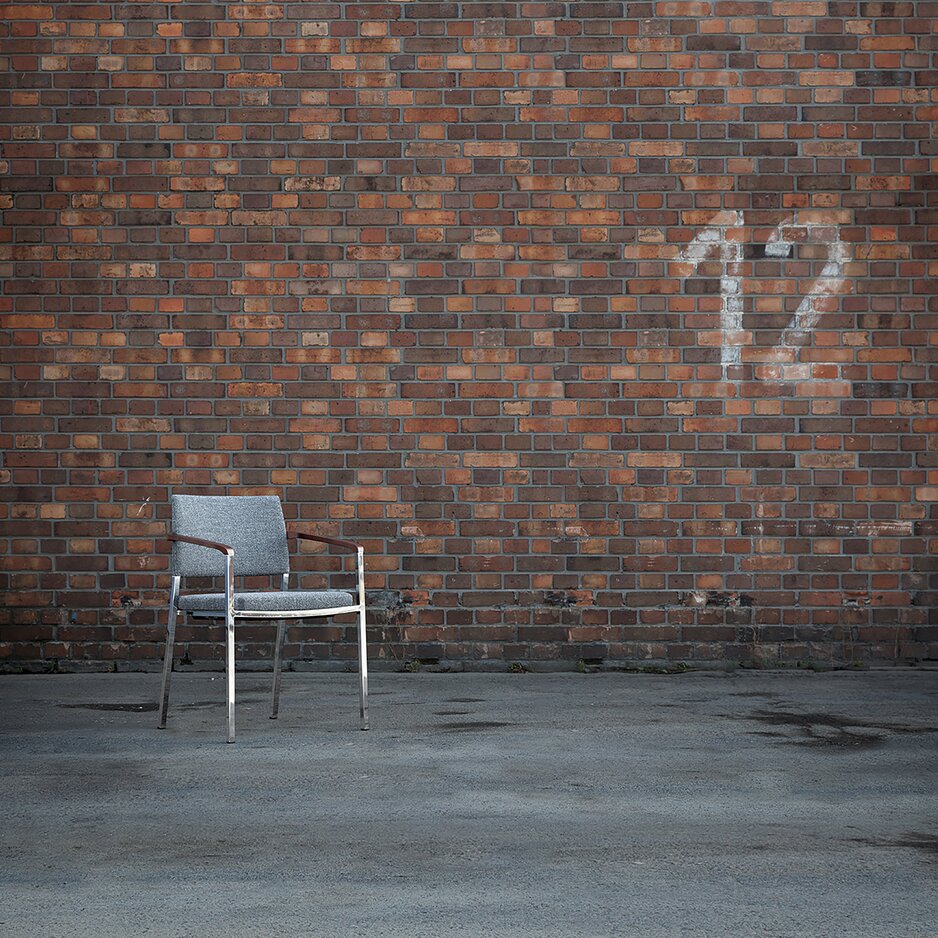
724, 240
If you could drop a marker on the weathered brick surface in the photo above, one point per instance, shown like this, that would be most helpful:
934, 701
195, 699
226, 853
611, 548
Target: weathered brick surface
609, 328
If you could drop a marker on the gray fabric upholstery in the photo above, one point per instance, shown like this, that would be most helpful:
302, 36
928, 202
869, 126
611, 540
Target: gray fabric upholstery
270, 601
252, 524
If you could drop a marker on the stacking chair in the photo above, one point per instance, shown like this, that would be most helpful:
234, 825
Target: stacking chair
229, 536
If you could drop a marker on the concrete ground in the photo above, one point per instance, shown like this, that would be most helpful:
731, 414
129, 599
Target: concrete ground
710, 804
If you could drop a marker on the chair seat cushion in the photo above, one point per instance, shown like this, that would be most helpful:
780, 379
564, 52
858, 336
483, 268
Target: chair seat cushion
268, 601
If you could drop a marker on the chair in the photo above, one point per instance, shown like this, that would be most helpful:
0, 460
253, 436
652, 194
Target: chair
229, 536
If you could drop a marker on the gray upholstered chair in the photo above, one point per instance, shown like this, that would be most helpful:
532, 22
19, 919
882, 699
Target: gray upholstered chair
229, 536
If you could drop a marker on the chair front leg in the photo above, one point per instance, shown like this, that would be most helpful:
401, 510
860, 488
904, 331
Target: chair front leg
168, 653
230, 645
362, 644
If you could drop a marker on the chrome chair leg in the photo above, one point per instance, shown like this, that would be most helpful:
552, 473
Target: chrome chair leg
278, 665
230, 649
168, 653
362, 671
230, 675
362, 644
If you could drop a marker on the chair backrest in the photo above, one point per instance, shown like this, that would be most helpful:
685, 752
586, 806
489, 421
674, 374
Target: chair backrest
252, 524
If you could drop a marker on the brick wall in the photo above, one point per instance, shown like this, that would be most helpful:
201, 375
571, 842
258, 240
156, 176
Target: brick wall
610, 329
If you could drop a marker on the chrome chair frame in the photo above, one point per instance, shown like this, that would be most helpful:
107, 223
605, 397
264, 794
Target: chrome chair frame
231, 614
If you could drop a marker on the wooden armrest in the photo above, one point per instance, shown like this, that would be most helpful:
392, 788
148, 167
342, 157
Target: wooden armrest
303, 536
199, 542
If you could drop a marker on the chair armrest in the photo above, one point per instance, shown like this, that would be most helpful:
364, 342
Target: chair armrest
199, 542
303, 536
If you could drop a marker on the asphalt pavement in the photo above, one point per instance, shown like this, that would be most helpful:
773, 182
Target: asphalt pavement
697, 804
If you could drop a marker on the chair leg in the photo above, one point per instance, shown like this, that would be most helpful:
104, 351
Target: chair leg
229, 671
168, 654
230, 643
362, 670
278, 665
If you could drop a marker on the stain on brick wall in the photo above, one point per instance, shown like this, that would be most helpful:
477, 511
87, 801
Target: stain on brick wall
608, 328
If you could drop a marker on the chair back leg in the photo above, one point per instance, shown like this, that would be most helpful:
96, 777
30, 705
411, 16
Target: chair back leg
278, 666
168, 653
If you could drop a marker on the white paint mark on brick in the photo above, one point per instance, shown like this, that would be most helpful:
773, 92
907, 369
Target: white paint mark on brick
715, 242
830, 281
775, 246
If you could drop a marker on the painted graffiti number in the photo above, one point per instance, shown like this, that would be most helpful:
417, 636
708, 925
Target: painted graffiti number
717, 241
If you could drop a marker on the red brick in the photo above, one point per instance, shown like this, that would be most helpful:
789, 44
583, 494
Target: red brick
609, 336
